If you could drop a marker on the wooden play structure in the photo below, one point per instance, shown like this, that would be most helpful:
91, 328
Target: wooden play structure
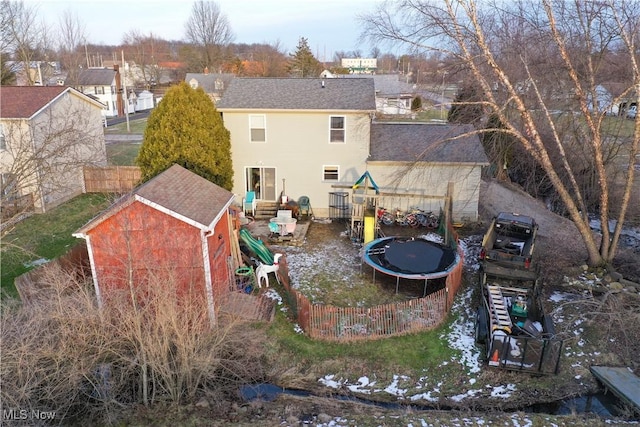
365, 195
367, 199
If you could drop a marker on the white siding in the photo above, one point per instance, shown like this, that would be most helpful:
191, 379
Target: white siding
298, 147
429, 180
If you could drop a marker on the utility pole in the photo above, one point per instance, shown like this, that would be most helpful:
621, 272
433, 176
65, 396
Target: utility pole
444, 74
126, 94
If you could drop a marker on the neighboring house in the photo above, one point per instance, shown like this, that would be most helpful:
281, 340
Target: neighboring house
104, 85
213, 85
423, 158
360, 65
298, 137
316, 138
603, 102
393, 96
48, 134
38, 73
174, 228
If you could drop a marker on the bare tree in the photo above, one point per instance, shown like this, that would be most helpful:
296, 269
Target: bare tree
146, 52
272, 59
43, 158
71, 36
208, 29
23, 36
533, 60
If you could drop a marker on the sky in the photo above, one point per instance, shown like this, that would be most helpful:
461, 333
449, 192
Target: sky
328, 25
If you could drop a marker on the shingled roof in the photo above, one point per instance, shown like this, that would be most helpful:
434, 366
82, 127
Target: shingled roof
95, 77
299, 94
208, 81
424, 142
22, 102
179, 191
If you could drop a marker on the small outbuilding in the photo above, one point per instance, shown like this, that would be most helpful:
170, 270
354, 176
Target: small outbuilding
174, 228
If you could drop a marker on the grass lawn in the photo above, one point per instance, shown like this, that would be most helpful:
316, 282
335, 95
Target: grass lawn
420, 352
46, 236
122, 153
136, 126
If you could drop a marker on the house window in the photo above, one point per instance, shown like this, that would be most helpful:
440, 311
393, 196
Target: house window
99, 90
3, 141
330, 173
337, 129
257, 125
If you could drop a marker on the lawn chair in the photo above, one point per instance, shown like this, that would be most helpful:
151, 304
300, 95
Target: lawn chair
304, 206
249, 203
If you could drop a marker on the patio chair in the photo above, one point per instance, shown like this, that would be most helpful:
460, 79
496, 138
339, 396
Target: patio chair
304, 206
249, 203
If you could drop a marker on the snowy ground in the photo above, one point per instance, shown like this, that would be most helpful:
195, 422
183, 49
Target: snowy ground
335, 255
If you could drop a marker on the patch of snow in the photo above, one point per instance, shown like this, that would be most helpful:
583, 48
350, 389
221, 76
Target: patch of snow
36, 263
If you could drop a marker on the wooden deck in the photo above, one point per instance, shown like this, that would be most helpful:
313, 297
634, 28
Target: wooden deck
622, 382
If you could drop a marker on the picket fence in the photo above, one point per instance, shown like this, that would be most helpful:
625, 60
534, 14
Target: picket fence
347, 324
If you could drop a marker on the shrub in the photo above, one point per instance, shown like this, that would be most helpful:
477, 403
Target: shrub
66, 355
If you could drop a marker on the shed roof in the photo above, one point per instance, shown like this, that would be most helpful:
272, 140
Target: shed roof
299, 94
178, 191
23, 102
424, 142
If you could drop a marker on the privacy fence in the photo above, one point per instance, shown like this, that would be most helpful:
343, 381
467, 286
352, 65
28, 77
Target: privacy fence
31, 286
111, 179
345, 324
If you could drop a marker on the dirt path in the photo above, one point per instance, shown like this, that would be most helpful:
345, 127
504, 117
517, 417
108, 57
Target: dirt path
559, 247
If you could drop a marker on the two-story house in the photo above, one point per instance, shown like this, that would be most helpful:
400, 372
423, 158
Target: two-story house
47, 135
317, 137
298, 136
105, 85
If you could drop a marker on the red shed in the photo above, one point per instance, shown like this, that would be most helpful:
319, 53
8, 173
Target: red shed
174, 227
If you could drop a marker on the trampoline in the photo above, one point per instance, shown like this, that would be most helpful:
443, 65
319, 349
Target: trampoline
410, 258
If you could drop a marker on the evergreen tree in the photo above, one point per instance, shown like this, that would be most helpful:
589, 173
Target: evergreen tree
8, 75
416, 104
466, 107
498, 146
302, 62
185, 128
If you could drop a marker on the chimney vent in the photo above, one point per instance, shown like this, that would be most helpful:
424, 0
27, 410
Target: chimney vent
323, 84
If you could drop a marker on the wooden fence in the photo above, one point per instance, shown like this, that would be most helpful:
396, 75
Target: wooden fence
32, 288
345, 324
15, 210
111, 179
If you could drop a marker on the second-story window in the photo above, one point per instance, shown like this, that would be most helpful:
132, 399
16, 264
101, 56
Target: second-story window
258, 128
99, 90
336, 131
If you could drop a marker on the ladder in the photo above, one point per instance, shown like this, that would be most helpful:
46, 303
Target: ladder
500, 318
